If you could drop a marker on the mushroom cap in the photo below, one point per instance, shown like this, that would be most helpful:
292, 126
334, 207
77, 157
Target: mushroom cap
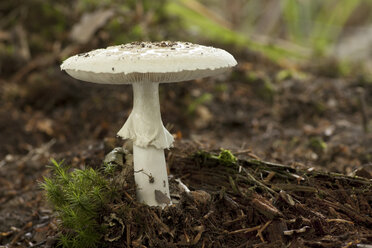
161, 62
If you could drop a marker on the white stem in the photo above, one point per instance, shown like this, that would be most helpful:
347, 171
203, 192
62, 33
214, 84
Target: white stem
144, 125
150, 175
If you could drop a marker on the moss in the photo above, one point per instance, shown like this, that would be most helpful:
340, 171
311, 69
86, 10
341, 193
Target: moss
317, 144
267, 91
79, 199
221, 87
283, 75
225, 157
203, 99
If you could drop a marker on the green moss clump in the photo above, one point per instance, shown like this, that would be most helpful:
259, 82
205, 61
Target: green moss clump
225, 157
317, 144
78, 198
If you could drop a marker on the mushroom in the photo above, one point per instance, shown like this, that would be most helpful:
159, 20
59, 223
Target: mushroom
145, 65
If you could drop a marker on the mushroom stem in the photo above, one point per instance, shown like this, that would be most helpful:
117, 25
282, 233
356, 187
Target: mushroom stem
145, 127
150, 174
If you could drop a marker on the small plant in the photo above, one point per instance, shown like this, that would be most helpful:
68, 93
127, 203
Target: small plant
317, 144
204, 98
225, 157
78, 198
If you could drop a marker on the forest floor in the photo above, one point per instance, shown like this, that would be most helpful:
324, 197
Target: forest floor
314, 131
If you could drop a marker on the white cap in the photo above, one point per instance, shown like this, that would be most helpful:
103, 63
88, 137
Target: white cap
161, 62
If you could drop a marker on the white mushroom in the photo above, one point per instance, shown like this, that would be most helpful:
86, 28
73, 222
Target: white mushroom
145, 65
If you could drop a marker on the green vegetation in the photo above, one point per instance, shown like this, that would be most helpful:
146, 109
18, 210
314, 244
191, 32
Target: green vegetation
267, 91
207, 28
204, 98
78, 198
317, 144
225, 157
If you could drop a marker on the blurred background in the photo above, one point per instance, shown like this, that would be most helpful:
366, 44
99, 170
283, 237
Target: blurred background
301, 92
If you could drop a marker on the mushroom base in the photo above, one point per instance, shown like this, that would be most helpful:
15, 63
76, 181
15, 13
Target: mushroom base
150, 175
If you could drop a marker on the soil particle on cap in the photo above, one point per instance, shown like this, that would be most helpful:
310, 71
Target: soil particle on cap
146, 44
83, 55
